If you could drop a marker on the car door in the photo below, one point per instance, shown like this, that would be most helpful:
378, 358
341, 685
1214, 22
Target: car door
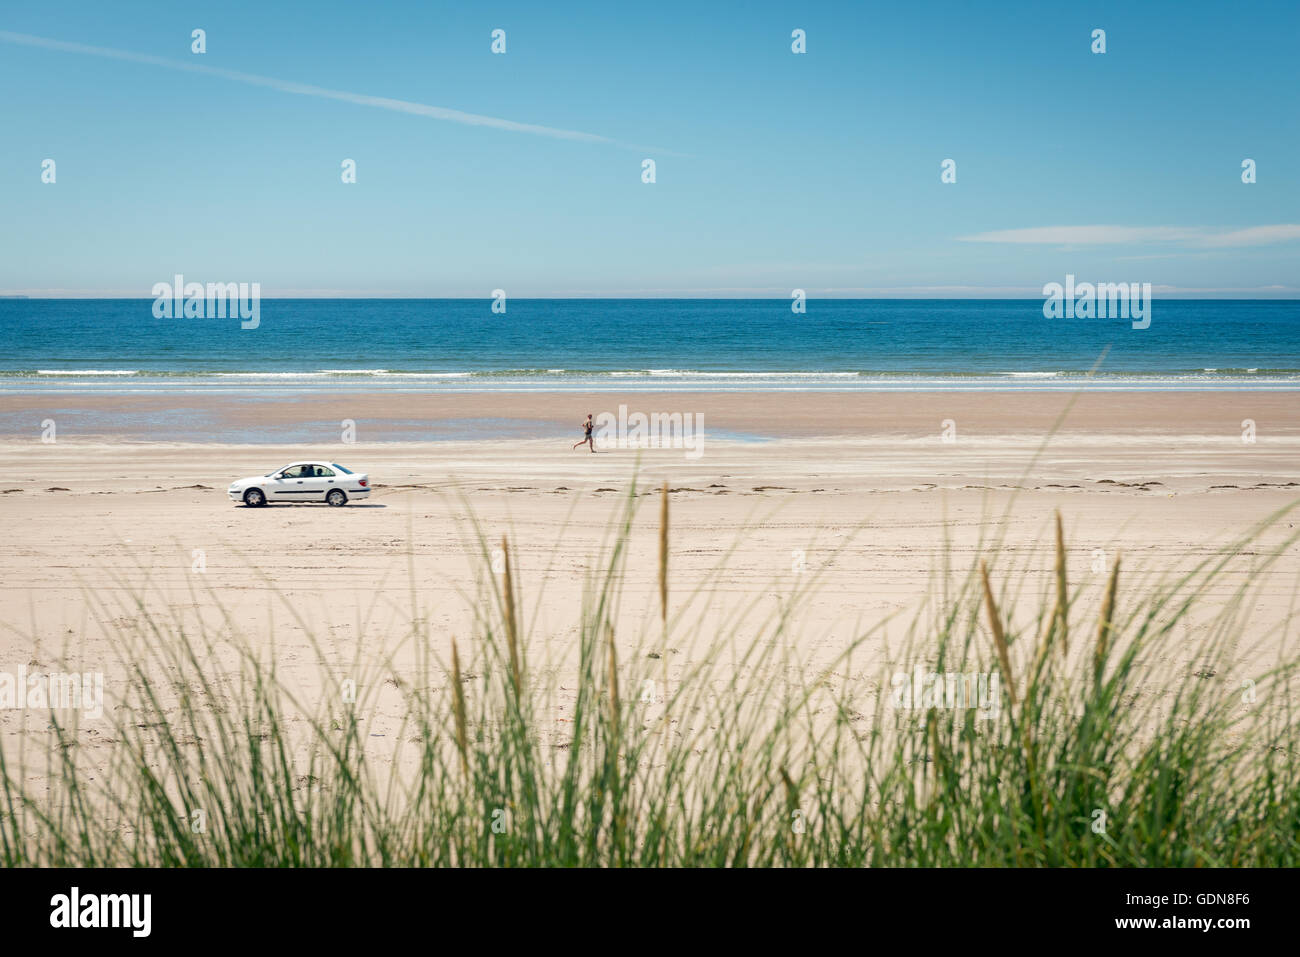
291, 486
326, 479
312, 484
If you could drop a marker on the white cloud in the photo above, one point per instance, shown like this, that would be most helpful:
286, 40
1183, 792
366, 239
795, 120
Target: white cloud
1256, 236
1198, 236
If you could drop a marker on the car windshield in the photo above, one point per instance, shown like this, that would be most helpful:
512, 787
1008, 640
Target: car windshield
341, 468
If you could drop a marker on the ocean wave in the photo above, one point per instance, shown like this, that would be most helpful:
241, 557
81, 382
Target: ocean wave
381, 373
262, 375
844, 378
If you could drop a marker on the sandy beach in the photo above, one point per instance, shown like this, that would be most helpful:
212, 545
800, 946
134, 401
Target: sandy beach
860, 493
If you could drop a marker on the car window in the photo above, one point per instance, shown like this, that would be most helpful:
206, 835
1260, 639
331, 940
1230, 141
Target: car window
323, 472
295, 472
343, 469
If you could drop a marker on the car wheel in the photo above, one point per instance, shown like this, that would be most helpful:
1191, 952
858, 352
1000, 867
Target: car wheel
337, 497
254, 498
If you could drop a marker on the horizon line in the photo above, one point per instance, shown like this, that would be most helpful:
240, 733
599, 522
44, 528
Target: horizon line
1291, 296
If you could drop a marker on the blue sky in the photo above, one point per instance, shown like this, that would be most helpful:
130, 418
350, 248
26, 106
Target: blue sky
774, 170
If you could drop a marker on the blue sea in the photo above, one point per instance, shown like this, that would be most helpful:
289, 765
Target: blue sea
308, 345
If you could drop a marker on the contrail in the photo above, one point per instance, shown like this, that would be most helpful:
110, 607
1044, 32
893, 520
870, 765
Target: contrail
305, 89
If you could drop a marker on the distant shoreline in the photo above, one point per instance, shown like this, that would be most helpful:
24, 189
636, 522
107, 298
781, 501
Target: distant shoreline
422, 416
326, 382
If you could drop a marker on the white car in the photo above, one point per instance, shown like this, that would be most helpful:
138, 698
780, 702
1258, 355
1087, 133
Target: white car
302, 482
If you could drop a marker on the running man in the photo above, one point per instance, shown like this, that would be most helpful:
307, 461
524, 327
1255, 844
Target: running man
586, 437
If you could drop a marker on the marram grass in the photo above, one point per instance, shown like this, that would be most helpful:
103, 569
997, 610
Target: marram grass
1097, 756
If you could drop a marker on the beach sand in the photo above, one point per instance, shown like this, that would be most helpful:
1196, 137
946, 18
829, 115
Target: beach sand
382, 415
858, 492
